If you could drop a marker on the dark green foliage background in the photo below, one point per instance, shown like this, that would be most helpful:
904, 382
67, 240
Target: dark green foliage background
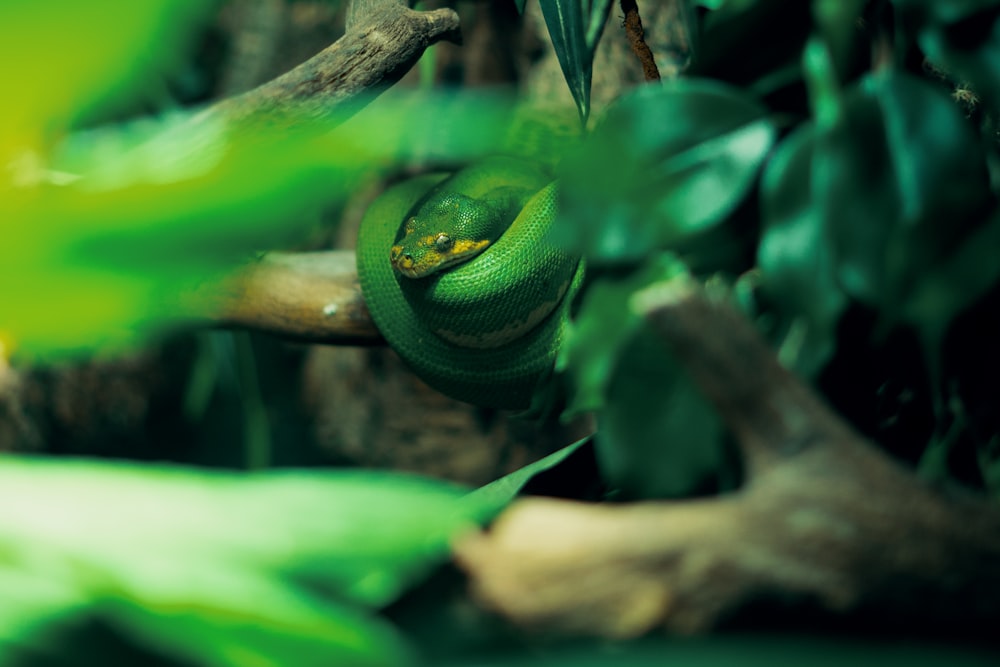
849, 204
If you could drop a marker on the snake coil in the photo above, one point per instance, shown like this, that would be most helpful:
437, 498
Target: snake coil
487, 330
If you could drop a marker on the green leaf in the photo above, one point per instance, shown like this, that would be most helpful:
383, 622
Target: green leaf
604, 324
794, 257
936, 156
496, 495
852, 179
837, 23
659, 437
257, 622
665, 165
822, 84
101, 52
107, 256
33, 608
943, 11
901, 180
220, 568
954, 282
575, 28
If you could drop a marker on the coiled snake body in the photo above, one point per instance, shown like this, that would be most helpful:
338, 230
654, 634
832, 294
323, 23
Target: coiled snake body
461, 279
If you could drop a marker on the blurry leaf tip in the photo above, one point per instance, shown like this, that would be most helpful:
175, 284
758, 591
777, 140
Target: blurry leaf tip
660, 295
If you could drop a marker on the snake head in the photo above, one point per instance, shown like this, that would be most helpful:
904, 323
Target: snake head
449, 229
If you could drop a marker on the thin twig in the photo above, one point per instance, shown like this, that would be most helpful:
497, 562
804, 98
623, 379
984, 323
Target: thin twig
637, 39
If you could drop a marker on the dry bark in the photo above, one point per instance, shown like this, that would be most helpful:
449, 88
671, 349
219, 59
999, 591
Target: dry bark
311, 297
383, 40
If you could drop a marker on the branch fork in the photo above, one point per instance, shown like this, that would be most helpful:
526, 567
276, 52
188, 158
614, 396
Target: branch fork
824, 521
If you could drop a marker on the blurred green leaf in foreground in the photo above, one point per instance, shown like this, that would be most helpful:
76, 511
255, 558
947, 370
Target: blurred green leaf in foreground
215, 568
103, 229
68, 62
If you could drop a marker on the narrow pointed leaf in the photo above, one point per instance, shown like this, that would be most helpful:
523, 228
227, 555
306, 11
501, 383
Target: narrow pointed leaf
575, 28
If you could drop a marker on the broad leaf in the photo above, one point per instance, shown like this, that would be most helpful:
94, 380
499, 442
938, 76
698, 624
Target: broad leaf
219, 568
604, 325
102, 53
659, 437
901, 179
797, 270
665, 165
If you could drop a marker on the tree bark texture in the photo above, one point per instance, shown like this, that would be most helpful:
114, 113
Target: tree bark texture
383, 40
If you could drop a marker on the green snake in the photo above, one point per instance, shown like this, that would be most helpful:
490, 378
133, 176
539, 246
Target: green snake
461, 279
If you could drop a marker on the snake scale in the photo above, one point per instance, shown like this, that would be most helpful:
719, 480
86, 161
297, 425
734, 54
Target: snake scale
459, 276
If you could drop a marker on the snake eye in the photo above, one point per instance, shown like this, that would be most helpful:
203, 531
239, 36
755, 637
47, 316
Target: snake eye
443, 243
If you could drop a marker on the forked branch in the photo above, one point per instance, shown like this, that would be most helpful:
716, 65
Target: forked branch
384, 39
823, 521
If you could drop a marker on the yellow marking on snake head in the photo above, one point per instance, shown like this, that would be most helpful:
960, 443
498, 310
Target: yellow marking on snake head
426, 255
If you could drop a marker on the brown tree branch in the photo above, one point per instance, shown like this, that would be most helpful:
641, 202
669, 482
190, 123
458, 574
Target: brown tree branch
311, 297
824, 520
384, 39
